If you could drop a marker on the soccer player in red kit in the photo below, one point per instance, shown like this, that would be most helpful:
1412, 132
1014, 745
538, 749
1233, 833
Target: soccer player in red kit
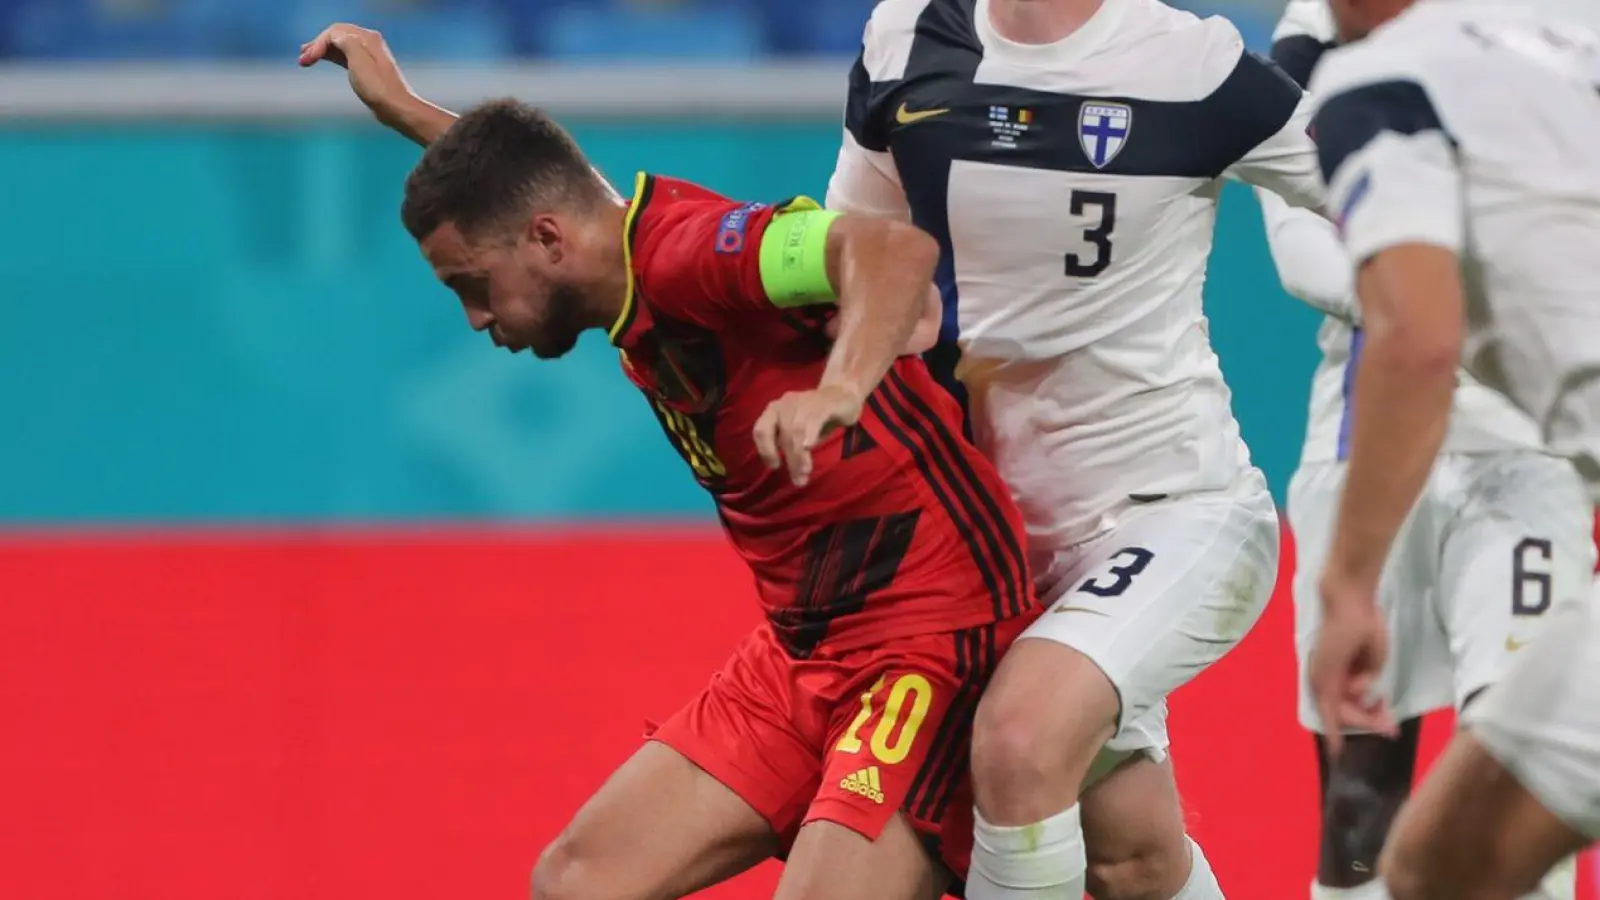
768, 340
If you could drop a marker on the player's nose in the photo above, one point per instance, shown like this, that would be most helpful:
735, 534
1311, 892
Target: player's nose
480, 319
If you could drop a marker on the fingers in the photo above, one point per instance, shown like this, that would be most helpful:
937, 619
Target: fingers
330, 44
798, 437
766, 436
788, 431
1344, 685
314, 50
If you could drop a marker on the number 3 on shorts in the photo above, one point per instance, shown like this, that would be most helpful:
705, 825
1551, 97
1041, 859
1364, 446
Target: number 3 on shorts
885, 746
1130, 562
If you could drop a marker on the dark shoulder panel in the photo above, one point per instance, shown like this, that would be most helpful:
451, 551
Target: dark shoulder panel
942, 49
1298, 55
1350, 120
1251, 106
867, 110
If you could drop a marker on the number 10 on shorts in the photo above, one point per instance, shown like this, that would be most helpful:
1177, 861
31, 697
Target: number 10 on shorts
908, 699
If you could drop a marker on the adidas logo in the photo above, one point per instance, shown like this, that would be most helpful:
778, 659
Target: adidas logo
865, 783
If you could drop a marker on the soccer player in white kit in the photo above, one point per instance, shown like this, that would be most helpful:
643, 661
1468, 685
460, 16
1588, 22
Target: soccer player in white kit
1498, 523
1068, 156
1458, 139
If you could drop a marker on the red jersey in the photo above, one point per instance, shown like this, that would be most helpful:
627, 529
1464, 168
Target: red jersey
904, 529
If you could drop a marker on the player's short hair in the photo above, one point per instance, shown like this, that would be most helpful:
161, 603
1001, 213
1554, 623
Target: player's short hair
499, 161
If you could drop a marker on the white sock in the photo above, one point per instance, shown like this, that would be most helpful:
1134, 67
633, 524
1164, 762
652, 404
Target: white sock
1372, 890
1043, 861
1202, 883
1560, 883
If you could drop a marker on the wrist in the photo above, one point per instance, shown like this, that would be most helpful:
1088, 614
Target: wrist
845, 386
1344, 582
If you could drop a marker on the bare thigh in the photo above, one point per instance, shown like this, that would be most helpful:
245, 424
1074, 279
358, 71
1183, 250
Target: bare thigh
658, 829
831, 862
1472, 832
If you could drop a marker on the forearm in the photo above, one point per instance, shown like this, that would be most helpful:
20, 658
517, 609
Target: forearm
883, 293
1404, 393
418, 120
1402, 410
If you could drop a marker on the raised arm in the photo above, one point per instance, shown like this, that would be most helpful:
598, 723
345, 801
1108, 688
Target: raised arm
376, 79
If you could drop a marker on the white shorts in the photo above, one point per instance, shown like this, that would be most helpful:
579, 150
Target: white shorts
1152, 602
1492, 543
1542, 720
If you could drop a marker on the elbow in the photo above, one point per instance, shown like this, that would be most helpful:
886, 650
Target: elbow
1416, 352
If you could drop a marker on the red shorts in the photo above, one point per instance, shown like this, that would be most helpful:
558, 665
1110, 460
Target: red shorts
851, 737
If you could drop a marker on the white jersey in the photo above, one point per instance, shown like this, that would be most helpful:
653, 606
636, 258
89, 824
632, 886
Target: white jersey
1313, 266
1473, 126
1073, 189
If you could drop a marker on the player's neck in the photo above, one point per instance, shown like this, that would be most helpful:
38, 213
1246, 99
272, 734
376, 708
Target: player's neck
1040, 21
611, 292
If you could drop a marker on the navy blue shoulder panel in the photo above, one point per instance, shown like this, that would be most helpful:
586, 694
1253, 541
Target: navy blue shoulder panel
1298, 56
1352, 119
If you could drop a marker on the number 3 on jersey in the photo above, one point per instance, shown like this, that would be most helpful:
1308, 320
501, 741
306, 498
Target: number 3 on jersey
909, 699
1101, 208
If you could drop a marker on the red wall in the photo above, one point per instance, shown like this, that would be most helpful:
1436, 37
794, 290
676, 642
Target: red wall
413, 716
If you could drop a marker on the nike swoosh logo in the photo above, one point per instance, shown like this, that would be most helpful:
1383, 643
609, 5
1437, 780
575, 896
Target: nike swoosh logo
1513, 645
907, 117
1078, 609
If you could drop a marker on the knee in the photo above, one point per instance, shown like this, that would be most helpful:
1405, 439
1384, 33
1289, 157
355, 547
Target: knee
1154, 871
1039, 732
1409, 872
1010, 747
559, 874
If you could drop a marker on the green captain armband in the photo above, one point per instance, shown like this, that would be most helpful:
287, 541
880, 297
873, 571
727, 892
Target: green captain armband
794, 255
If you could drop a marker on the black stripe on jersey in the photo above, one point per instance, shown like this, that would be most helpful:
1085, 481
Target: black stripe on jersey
1011, 559
924, 783
845, 564
1298, 55
922, 457
988, 548
857, 440
1349, 121
955, 764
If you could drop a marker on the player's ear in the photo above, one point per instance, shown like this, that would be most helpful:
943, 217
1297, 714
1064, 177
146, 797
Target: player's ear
545, 231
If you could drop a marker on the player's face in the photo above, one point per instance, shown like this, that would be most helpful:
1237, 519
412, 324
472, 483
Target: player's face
512, 287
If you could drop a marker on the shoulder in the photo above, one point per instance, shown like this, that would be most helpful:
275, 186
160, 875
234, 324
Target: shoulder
886, 43
1308, 19
1193, 56
1304, 34
671, 224
1391, 82
1438, 55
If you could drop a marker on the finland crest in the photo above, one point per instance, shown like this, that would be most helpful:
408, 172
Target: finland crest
1103, 131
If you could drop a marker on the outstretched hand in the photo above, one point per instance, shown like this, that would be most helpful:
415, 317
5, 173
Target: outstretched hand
374, 74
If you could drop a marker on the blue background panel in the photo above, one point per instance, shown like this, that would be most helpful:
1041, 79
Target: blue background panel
229, 324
